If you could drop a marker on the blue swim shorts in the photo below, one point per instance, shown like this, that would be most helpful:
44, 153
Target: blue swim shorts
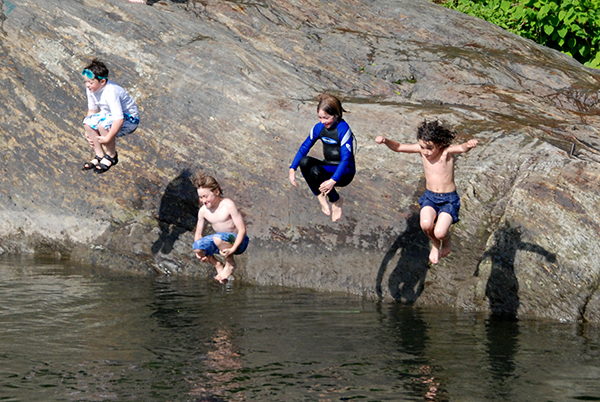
442, 202
208, 244
130, 123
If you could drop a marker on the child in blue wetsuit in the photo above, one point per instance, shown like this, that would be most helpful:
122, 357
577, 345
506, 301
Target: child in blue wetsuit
338, 168
440, 203
230, 237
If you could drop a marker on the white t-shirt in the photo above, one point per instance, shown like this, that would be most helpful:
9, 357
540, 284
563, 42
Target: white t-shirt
112, 99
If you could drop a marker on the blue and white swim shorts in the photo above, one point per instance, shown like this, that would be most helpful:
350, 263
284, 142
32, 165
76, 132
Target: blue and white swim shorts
208, 244
103, 119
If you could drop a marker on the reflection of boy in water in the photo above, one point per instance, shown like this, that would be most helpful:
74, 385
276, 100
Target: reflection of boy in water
440, 203
223, 365
230, 237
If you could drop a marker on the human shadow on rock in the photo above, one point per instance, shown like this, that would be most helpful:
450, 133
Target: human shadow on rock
502, 289
407, 280
178, 212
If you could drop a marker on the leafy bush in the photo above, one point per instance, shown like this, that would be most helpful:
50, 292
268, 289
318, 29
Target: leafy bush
571, 26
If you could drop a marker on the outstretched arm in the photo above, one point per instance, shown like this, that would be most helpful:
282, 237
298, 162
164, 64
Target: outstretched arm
396, 146
534, 248
462, 148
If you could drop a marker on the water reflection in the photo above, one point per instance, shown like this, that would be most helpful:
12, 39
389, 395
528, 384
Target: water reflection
205, 334
409, 330
223, 364
502, 347
70, 335
410, 333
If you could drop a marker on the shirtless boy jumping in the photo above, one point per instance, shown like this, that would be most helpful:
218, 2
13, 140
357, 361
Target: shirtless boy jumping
227, 222
440, 203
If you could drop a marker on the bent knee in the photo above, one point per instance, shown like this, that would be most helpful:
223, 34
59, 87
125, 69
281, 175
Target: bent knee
427, 225
441, 233
304, 162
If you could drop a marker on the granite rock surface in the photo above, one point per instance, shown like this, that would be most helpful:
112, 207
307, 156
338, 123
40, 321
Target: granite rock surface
230, 87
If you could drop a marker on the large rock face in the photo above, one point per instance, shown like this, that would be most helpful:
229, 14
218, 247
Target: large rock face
230, 87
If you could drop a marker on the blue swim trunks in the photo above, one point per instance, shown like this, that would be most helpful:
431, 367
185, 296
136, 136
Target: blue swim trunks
442, 202
130, 123
208, 245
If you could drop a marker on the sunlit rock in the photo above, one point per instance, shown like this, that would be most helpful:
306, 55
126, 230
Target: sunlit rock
229, 87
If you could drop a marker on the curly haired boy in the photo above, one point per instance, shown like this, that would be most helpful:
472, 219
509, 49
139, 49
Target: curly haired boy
440, 203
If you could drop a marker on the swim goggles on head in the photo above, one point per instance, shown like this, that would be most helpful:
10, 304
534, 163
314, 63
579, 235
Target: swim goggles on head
88, 74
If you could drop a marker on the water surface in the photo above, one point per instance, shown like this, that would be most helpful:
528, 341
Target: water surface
69, 334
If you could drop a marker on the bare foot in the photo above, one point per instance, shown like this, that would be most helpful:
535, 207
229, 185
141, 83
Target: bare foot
219, 267
324, 204
434, 255
336, 208
446, 248
226, 272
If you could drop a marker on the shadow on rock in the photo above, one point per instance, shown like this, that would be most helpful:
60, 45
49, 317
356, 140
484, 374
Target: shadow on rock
502, 289
407, 280
178, 212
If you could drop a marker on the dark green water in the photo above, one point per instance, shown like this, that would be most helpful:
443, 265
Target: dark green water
68, 334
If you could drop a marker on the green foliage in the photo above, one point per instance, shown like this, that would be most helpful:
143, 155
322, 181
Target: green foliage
571, 26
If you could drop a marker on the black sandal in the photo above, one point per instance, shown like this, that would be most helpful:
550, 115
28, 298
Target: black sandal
102, 167
91, 165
